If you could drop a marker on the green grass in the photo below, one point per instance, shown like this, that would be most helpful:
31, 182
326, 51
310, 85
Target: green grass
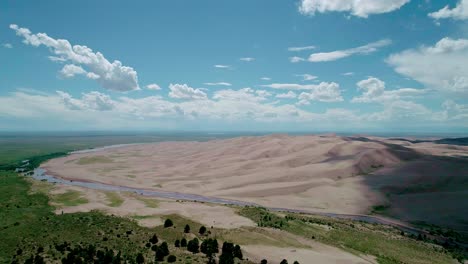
151, 203
114, 199
69, 198
385, 243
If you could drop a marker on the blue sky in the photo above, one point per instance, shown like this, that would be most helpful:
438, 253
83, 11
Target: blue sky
303, 65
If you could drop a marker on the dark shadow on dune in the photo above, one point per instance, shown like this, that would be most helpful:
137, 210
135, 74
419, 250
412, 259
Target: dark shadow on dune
425, 189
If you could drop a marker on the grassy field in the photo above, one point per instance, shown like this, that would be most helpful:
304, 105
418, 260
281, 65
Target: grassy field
386, 243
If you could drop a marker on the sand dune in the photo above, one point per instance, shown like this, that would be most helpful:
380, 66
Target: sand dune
303, 172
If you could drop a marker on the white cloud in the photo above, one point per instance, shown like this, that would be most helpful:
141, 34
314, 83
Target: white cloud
373, 90
70, 70
240, 108
92, 76
89, 101
247, 59
296, 86
321, 95
218, 84
7, 45
301, 48
442, 67
340, 54
323, 92
296, 59
348, 74
265, 79
183, 91
307, 77
459, 12
288, 95
153, 86
263, 93
360, 8
221, 66
112, 76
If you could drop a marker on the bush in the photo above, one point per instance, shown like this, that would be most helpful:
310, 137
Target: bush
177, 243
264, 261
171, 259
284, 261
168, 223
187, 229
296, 262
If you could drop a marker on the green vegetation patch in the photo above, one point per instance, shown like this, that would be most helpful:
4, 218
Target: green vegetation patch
69, 198
151, 203
114, 199
94, 160
386, 243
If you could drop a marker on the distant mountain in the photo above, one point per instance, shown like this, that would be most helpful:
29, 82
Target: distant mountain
453, 141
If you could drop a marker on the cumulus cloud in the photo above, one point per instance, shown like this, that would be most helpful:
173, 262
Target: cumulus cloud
153, 86
340, 54
296, 59
247, 59
90, 101
218, 84
373, 90
459, 12
360, 8
323, 92
70, 70
297, 49
7, 45
183, 91
233, 107
288, 95
442, 67
112, 75
307, 77
263, 93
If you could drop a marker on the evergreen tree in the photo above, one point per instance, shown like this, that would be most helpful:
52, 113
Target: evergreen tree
202, 230
193, 245
171, 259
183, 242
168, 223
164, 248
140, 259
237, 252
154, 239
187, 229
284, 261
264, 261
177, 243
